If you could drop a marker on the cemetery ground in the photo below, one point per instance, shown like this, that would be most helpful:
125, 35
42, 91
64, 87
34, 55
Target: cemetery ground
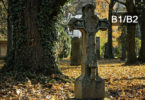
122, 82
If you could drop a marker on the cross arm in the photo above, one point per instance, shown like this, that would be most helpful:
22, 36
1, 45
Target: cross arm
76, 23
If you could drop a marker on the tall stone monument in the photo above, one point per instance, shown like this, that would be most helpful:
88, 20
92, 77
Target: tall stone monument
89, 86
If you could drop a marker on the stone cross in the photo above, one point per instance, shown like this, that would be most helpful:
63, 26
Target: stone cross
89, 85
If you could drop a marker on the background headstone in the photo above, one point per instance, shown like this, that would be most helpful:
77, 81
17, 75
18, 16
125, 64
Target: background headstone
75, 51
98, 47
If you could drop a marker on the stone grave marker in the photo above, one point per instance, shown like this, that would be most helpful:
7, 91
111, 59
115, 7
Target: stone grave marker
98, 47
75, 51
89, 86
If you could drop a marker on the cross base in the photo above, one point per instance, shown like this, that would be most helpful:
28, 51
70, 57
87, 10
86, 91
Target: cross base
88, 89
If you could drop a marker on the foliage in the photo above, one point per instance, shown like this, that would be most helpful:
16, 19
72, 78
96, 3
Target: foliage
138, 45
63, 46
121, 39
117, 51
3, 20
103, 40
64, 43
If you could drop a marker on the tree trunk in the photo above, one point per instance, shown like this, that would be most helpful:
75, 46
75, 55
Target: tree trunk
131, 55
142, 50
9, 31
109, 53
34, 36
123, 52
131, 29
123, 40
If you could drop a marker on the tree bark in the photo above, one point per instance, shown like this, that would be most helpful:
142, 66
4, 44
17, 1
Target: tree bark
34, 37
131, 29
123, 57
9, 31
142, 50
109, 53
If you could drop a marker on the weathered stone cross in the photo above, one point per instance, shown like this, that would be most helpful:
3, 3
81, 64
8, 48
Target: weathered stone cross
89, 85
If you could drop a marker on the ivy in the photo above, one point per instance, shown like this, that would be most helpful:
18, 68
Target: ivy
47, 21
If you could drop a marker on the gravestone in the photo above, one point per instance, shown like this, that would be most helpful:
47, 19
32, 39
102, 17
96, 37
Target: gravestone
98, 47
89, 86
75, 51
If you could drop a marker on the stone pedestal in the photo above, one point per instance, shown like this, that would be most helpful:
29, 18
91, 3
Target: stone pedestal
88, 89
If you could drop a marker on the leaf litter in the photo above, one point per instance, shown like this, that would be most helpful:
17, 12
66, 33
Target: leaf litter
121, 83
